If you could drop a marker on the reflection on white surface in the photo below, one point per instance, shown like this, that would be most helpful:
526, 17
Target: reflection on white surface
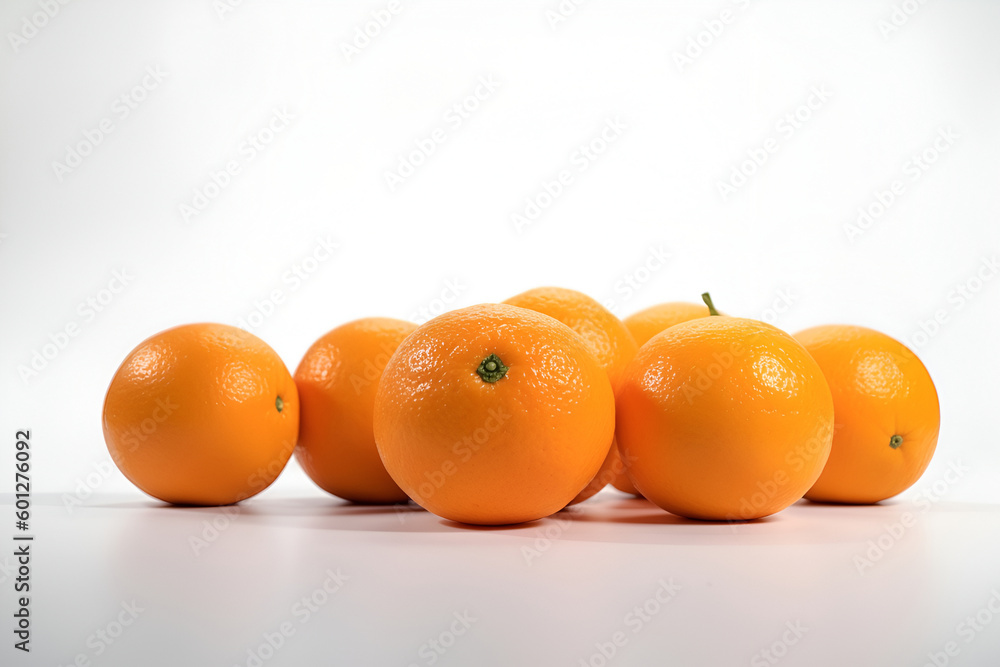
313, 580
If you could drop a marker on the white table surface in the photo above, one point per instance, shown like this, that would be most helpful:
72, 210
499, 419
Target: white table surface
553, 592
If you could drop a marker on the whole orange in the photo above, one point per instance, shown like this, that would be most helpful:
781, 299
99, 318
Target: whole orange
337, 379
724, 418
201, 414
885, 410
647, 323
493, 415
608, 339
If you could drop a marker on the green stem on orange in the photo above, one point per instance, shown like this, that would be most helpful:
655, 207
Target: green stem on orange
491, 369
708, 302
895, 441
278, 403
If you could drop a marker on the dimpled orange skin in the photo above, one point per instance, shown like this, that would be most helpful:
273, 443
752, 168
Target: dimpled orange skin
880, 390
337, 379
724, 418
608, 339
647, 323
191, 416
501, 452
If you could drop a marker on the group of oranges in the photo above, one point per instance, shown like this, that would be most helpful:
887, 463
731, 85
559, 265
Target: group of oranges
506, 413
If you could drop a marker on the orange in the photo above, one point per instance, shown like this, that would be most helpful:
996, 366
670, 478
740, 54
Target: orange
724, 418
607, 338
885, 410
493, 415
647, 323
613, 472
201, 414
337, 379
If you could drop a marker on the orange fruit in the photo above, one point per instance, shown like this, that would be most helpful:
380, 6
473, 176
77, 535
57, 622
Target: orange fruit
647, 323
493, 415
724, 418
614, 472
885, 409
201, 414
337, 379
606, 337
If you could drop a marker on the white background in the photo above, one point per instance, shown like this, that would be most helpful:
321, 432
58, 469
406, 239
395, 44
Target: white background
776, 248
